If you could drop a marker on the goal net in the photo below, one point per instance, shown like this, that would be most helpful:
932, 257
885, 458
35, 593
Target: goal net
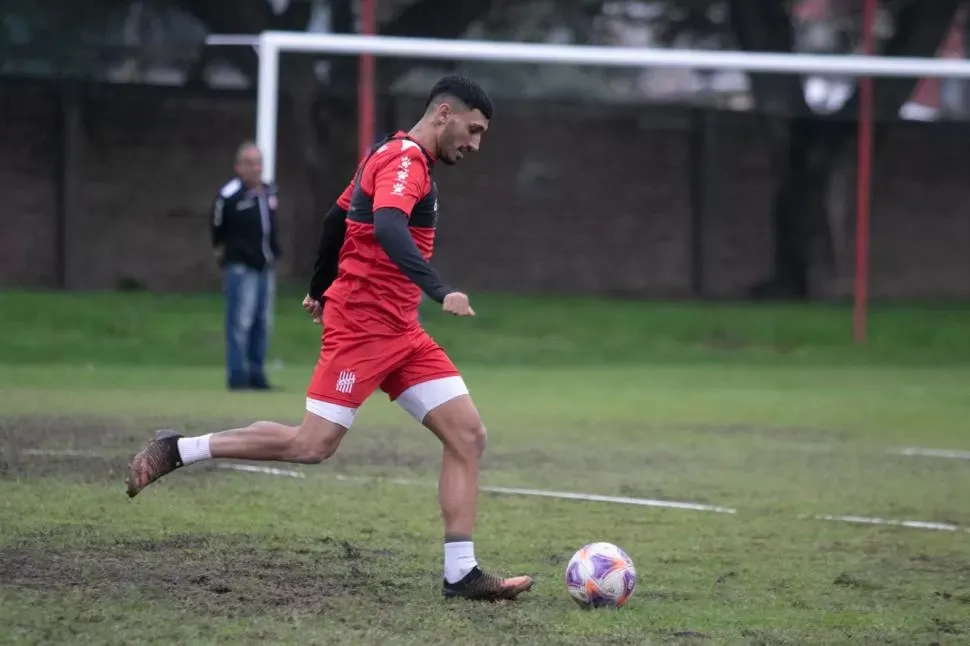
683, 173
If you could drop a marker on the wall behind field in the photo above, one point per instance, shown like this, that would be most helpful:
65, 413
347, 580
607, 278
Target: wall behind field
566, 199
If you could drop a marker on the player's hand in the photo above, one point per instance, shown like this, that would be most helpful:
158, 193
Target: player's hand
313, 307
457, 303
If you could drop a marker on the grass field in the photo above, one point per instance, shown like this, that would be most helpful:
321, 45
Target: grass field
768, 410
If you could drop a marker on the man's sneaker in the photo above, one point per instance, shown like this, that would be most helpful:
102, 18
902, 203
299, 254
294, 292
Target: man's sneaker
486, 587
160, 456
259, 381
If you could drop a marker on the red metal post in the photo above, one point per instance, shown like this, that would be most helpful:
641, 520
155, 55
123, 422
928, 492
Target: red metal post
365, 80
859, 315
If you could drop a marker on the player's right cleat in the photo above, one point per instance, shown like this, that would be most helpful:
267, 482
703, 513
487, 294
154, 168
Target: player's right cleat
159, 457
480, 586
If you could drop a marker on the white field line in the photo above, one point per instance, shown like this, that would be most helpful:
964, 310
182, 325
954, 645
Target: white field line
270, 471
618, 500
914, 524
398, 481
913, 451
646, 502
562, 495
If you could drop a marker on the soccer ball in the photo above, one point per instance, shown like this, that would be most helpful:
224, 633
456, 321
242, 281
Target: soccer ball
600, 575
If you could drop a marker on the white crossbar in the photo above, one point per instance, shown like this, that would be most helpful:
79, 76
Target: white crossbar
511, 52
269, 44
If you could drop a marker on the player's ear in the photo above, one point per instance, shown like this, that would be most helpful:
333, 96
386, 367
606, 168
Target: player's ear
443, 113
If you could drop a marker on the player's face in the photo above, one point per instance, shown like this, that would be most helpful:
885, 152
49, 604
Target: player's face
249, 166
461, 134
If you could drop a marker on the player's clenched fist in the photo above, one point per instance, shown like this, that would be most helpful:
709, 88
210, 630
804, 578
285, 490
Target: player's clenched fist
313, 308
457, 303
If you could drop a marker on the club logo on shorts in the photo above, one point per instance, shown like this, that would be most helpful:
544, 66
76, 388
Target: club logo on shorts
345, 381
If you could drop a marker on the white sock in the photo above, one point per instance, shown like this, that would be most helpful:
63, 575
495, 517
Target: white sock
459, 560
194, 449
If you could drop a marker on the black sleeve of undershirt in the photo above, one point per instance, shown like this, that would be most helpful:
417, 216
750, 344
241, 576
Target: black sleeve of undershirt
391, 231
328, 251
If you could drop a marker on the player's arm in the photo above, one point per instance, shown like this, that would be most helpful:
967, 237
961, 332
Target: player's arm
274, 230
217, 224
391, 231
328, 249
398, 185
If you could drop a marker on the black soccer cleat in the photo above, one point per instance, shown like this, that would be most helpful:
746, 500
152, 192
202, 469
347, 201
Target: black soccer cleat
159, 457
478, 585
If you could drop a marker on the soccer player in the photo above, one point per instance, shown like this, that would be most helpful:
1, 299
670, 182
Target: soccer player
371, 268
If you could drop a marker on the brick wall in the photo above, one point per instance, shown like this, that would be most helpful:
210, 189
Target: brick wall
28, 184
524, 215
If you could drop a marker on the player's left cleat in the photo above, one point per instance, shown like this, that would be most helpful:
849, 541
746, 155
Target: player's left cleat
480, 586
159, 457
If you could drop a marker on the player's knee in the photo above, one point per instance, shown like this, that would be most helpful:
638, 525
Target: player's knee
314, 450
470, 440
481, 439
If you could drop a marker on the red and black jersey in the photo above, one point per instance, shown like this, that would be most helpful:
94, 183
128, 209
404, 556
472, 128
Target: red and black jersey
369, 284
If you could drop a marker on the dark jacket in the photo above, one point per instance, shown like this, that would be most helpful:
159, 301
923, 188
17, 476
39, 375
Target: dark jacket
245, 225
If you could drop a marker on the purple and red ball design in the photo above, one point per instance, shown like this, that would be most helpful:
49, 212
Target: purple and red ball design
600, 575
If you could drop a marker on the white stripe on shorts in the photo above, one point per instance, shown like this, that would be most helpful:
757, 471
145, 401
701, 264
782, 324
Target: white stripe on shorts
343, 415
422, 398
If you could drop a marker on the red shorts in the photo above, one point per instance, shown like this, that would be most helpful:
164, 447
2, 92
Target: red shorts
353, 365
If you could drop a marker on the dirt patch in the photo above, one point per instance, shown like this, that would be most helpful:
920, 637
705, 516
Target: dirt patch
83, 432
90, 448
81, 467
211, 575
43, 446
88, 444
95, 449
940, 564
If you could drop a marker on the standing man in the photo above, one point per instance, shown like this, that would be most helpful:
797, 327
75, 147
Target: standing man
245, 236
372, 265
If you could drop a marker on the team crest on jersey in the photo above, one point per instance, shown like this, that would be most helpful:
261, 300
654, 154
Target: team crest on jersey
345, 381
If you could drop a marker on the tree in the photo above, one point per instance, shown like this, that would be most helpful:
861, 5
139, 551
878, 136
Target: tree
809, 149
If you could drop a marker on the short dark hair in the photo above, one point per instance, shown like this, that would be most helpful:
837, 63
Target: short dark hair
465, 90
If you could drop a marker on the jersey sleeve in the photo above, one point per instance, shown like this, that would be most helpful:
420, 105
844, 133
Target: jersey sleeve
343, 201
401, 179
391, 231
328, 251
217, 228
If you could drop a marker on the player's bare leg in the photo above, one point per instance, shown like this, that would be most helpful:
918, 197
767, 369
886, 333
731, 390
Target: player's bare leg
459, 427
312, 442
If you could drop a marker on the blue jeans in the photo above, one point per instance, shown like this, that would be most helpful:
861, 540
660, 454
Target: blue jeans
250, 296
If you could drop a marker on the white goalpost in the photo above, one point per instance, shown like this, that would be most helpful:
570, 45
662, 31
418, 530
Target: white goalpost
270, 44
